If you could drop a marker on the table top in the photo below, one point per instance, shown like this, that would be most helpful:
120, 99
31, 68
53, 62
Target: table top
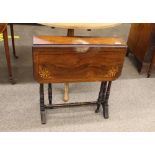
81, 25
77, 59
62, 40
2, 27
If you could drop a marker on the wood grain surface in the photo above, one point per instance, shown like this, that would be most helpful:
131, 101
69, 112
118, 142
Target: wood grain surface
50, 40
91, 62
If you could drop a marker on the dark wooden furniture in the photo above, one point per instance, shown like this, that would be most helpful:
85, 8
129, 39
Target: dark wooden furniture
141, 43
3, 29
77, 59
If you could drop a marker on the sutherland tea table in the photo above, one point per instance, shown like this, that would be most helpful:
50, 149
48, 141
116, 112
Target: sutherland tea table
70, 32
59, 59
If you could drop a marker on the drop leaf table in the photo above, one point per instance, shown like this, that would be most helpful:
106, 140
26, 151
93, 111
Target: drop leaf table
59, 59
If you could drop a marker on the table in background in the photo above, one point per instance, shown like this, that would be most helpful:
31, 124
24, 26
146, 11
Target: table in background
3, 30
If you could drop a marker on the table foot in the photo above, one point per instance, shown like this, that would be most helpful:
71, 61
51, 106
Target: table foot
43, 117
106, 112
97, 110
12, 81
16, 57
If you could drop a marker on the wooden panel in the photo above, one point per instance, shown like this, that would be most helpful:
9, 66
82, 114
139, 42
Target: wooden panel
139, 40
50, 40
69, 64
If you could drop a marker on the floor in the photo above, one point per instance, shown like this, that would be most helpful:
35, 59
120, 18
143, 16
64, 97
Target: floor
19, 103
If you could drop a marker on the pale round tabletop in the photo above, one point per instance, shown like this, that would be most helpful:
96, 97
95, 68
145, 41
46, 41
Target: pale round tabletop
81, 25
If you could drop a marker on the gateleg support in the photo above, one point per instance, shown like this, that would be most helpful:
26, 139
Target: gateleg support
105, 104
101, 95
42, 105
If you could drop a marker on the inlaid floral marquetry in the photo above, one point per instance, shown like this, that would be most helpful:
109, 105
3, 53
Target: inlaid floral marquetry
112, 72
44, 72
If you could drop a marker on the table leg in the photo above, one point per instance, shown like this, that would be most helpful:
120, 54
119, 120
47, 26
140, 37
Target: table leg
7, 54
70, 33
66, 92
105, 103
42, 106
101, 96
50, 93
13, 42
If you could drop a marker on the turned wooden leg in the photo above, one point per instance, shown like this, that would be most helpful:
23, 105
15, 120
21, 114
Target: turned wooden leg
50, 93
7, 54
70, 33
101, 96
13, 42
42, 106
105, 103
66, 92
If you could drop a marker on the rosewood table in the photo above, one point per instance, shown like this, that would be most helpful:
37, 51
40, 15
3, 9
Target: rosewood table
88, 60
3, 29
71, 27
